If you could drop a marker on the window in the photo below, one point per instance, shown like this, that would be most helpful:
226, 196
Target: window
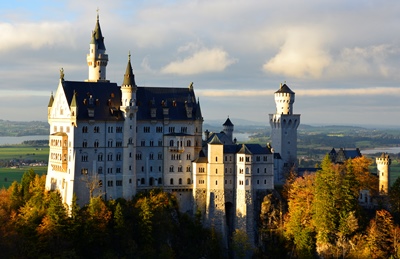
171, 181
188, 143
118, 157
146, 129
109, 157
139, 156
143, 143
160, 143
188, 169
84, 171
84, 143
110, 129
180, 180
171, 168
110, 143
151, 143
84, 129
188, 156
180, 168
189, 181
118, 182
100, 157
171, 143
151, 156
109, 170
118, 170
84, 158
96, 129
109, 183
171, 129
159, 129
100, 170
118, 144
96, 144
159, 156
118, 129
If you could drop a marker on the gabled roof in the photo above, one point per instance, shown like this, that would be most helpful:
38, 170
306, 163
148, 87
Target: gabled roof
215, 141
51, 101
103, 97
173, 98
284, 89
244, 150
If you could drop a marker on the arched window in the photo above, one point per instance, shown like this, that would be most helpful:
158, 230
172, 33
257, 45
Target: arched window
188, 143
171, 181
188, 181
180, 180
171, 143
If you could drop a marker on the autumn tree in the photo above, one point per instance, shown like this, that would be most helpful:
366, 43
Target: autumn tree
298, 222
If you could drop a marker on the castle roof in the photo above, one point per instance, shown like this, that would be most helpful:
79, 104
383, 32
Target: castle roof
129, 77
103, 97
97, 36
284, 89
215, 141
228, 123
51, 101
172, 98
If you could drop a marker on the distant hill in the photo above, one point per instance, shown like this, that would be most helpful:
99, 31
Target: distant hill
23, 128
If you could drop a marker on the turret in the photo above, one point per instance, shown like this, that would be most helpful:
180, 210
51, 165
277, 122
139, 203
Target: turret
228, 128
128, 87
97, 58
284, 99
383, 167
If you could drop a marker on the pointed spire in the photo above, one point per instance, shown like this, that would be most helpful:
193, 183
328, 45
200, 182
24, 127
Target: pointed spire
51, 101
73, 101
98, 36
129, 77
198, 110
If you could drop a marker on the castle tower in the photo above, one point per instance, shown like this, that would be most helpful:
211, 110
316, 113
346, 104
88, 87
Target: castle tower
129, 109
215, 201
284, 126
383, 167
97, 58
228, 129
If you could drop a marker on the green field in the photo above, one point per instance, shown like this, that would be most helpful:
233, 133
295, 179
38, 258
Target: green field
20, 152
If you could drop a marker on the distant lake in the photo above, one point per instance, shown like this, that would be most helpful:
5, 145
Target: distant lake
19, 140
391, 150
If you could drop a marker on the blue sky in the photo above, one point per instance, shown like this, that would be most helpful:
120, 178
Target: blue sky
342, 58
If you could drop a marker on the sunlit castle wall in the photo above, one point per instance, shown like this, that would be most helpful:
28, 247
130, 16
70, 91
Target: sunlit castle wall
383, 167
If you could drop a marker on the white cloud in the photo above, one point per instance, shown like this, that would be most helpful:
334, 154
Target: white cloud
202, 61
34, 35
373, 91
302, 54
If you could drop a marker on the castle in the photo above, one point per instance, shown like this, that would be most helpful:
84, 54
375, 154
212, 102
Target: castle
115, 141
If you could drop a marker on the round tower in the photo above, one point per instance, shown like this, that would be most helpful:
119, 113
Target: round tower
284, 99
129, 110
383, 170
284, 126
97, 58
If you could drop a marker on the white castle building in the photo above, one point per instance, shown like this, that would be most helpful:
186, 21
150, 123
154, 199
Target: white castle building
116, 141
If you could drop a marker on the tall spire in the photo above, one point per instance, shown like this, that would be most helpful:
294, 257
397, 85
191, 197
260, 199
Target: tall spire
97, 58
129, 77
98, 36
